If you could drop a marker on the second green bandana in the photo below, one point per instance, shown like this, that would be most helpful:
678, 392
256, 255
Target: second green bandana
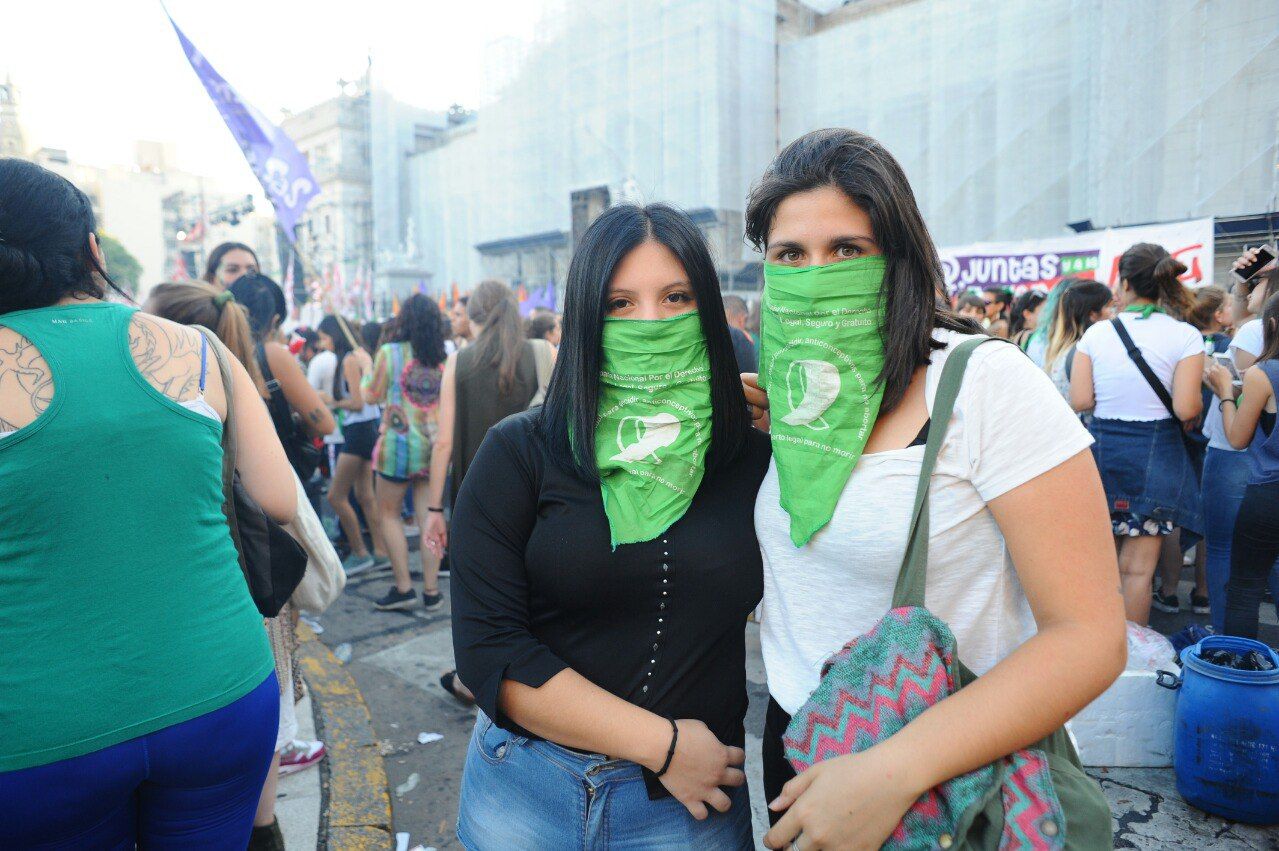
654, 422
820, 355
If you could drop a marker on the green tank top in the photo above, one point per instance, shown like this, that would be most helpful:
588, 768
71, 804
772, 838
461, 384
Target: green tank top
122, 606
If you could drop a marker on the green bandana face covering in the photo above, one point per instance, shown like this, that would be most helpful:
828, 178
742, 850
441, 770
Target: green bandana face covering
820, 354
654, 422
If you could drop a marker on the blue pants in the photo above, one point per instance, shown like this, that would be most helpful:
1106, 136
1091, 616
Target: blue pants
194, 785
533, 795
1225, 477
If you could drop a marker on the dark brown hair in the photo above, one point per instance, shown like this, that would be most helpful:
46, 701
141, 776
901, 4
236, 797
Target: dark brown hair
216, 255
867, 173
1270, 329
1208, 300
1153, 273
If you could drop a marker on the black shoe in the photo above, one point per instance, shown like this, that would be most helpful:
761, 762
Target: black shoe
432, 601
267, 838
1199, 605
395, 600
1166, 603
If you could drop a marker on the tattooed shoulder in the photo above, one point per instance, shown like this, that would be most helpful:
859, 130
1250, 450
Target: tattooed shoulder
167, 355
26, 384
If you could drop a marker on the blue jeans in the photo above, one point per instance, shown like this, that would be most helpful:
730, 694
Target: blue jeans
194, 785
531, 795
1224, 479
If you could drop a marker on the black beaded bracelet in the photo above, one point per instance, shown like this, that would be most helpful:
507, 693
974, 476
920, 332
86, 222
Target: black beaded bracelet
1222, 403
670, 754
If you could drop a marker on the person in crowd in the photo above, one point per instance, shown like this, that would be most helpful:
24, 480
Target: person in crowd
310, 345
744, 348
1225, 471
321, 372
972, 306
406, 379
1047, 316
1141, 450
129, 641
371, 336
1210, 315
460, 322
229, 261
206, 305
1249, 421
296, 408
1024, 317
545, 325
997, 303
1023, 570
1081, 304
353, 470
596, 654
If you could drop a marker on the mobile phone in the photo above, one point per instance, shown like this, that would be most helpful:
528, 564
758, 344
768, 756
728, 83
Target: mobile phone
1228, 362
1265, 254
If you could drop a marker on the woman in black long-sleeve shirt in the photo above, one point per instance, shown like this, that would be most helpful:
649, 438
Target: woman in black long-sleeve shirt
601, 586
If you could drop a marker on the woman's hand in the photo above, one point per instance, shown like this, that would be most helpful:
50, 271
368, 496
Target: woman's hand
436, 533
1219, 380
757, 399
1248, 258
847, 803
700, 766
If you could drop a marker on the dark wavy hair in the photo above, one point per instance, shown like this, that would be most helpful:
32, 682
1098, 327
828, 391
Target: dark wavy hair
421, 325
1270, 329
1153, 273
572, 400
45, 256
871, 178
263, 299
1027, 301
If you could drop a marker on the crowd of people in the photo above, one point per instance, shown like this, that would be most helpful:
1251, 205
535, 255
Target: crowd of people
612, 497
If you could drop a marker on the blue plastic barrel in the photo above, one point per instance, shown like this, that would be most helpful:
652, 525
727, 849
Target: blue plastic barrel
1226, 752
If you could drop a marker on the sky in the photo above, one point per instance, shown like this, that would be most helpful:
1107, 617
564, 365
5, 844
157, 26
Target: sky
95, 76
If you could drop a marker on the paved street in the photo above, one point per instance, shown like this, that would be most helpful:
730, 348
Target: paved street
397, 657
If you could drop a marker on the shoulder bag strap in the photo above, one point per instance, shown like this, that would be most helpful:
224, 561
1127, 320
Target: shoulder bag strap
914, 571
1144, 368
228, 438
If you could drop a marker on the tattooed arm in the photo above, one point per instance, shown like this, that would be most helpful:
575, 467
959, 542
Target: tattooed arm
26, 384
301, 396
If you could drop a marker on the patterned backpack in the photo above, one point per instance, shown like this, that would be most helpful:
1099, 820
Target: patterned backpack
1036, 798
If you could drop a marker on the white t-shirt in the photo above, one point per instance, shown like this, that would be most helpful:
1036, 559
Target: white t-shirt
1248, 339
1010, 425
320, 374
1121, 391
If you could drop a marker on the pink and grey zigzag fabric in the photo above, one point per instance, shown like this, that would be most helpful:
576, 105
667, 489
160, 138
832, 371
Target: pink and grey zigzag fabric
873, 687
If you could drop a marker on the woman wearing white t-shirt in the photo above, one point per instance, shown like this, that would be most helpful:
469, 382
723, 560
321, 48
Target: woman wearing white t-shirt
1150, 481
1021, 564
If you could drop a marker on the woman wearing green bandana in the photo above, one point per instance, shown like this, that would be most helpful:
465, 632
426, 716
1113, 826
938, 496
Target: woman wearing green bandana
605, 562
1152, 487
1021, 565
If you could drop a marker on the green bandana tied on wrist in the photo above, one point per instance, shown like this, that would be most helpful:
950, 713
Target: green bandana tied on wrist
819, 359
654, 422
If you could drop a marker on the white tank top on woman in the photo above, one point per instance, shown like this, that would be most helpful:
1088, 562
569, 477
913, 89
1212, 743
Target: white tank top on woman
1010, 425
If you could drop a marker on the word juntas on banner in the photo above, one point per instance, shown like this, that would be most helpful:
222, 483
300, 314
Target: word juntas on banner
1094, 254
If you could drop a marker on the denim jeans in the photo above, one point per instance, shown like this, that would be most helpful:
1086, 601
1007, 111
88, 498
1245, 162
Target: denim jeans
1225, 477
531, 795
1252, 557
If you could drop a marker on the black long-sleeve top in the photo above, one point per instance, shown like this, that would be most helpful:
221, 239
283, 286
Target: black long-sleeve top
536, 587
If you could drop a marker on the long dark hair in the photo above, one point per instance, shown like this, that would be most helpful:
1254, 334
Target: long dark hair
216, 255
263, 299
1153, 273
45, 255
863, 170
344, 340
421, 325
1270, 329
500, 345
572, 400
1026, 302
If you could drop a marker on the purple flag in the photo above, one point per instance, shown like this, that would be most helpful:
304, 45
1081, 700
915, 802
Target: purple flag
544, 300
275, 160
